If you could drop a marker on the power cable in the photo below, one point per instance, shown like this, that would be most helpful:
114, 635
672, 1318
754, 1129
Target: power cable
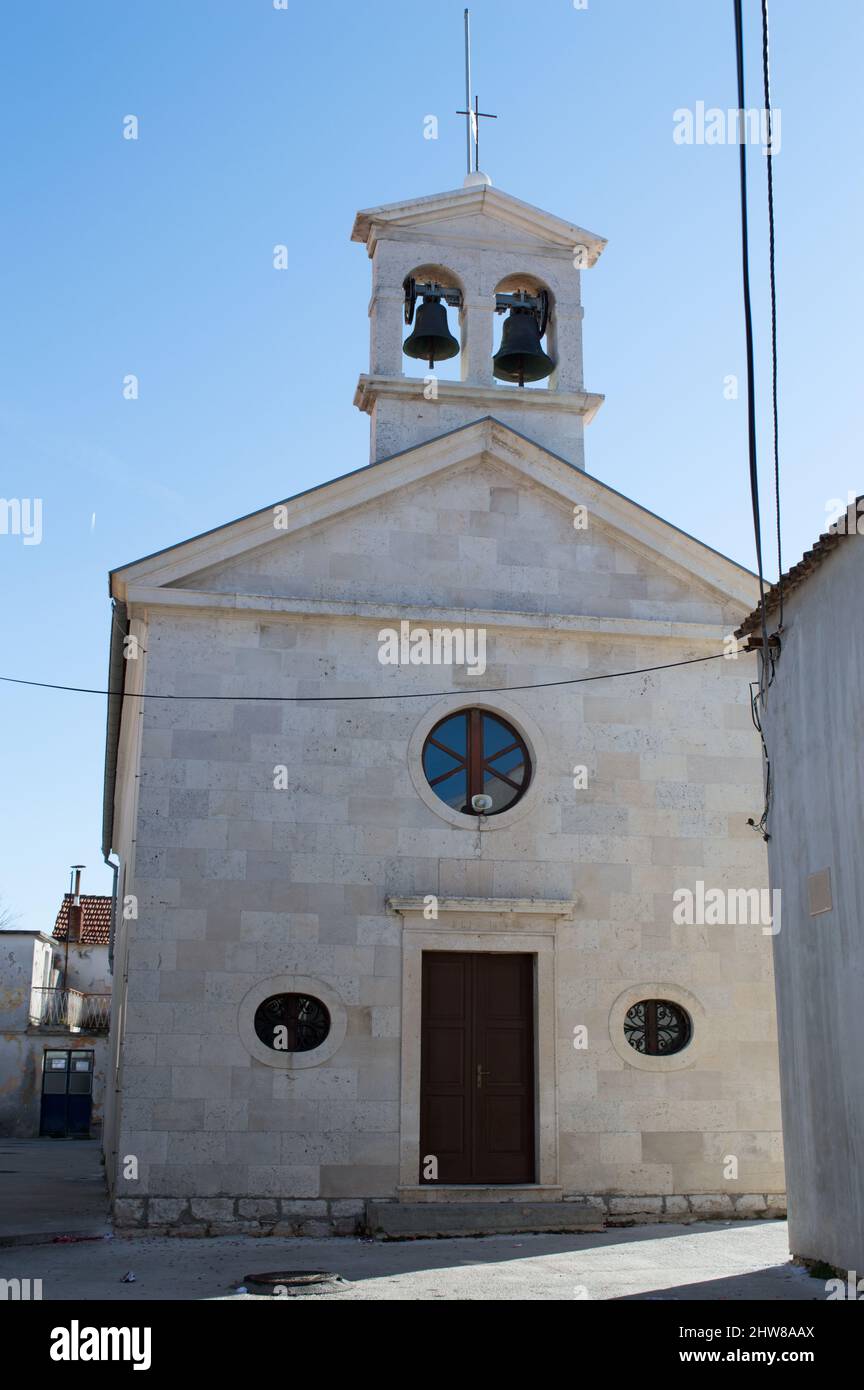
766, 78
332, 699
748, 325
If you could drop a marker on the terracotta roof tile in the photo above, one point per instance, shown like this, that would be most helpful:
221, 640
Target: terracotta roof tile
95, 919
810, 561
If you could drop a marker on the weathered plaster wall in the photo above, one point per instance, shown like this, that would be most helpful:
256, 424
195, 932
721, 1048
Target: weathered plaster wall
16, 1078
86, 966
814, 734
22, 1046
21, 1101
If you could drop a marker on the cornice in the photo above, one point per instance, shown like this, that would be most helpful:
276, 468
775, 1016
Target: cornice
486, 398
143, 596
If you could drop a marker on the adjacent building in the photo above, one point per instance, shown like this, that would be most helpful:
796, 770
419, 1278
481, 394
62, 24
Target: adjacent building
54, 1015
811, 716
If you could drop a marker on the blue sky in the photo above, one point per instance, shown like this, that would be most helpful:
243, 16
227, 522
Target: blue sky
261, 126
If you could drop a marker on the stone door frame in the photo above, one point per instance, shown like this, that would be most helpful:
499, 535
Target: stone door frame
520, 925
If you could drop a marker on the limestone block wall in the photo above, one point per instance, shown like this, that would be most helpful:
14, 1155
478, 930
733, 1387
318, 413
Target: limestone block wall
240, 884
401, 423
477, 265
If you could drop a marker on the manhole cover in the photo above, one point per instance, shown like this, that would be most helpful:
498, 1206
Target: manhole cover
294, 1281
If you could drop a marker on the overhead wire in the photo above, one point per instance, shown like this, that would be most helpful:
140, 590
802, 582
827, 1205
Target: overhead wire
748, 327
769, 130
401, 695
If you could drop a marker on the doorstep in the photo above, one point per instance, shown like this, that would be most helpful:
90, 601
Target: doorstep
428, 1220
501, 1192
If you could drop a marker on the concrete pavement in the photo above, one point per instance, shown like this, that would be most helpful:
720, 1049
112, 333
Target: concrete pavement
51, 1187
738, 1261
55, 1187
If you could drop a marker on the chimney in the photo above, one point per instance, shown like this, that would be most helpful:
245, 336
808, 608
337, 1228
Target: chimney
75, 911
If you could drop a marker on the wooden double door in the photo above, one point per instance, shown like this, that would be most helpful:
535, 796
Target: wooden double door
477, 1068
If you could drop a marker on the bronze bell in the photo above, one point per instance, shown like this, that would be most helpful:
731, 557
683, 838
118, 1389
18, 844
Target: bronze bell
520, 357
431, 340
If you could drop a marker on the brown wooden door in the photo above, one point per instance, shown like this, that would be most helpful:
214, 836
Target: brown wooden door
477, 1068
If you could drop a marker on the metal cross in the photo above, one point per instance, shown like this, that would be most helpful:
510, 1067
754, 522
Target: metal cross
473, 118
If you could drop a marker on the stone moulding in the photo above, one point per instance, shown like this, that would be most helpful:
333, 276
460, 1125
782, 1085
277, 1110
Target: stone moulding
472, 907
411, 216
371, 387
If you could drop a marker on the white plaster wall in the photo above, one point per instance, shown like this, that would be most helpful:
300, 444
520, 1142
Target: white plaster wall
813, 730
87, 967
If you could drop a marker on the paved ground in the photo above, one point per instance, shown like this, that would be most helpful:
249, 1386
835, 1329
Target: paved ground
55, 1186
729, 1262
51, 1186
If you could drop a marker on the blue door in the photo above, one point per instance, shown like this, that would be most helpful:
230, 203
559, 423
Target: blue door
67, 1093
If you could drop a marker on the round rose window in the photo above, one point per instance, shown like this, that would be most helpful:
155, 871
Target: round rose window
476, 762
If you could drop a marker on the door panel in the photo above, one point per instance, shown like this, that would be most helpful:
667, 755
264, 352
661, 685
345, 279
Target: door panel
67, 1086
477, 1067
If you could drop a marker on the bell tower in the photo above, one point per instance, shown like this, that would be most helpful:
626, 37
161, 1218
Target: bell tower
443, 269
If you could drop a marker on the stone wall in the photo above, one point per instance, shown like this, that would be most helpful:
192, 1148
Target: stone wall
239, 883
219, 1216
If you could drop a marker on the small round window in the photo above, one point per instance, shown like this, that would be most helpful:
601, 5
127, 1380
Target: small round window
476, 763
292, 1022
657, 1028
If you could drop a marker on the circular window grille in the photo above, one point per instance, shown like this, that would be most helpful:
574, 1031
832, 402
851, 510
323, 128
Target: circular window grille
657, 1028
476, 754
292, 1022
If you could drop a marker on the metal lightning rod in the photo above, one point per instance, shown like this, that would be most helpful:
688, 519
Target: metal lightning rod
468, 88
472, 118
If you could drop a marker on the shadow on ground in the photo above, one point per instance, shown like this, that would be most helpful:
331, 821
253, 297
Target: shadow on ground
51, 1186
732, 1262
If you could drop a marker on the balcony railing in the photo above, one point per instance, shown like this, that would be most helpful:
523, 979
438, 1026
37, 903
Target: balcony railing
70, 1008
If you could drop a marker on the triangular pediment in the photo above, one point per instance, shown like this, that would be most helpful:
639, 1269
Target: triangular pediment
504, 512
475, 213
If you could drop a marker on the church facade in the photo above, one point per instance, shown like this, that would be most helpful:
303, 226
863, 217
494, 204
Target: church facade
407, 920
